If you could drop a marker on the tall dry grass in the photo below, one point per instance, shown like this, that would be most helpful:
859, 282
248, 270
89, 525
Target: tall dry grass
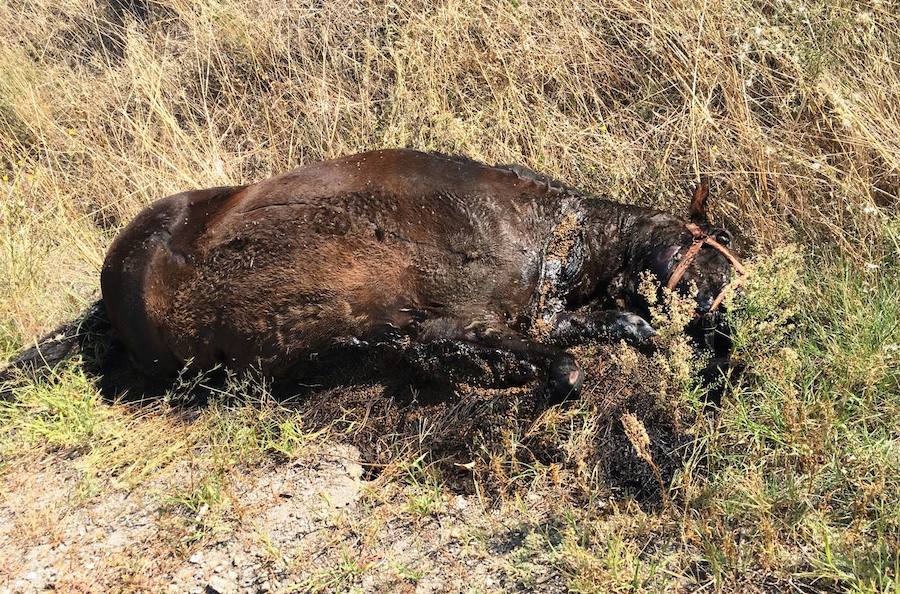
791, 107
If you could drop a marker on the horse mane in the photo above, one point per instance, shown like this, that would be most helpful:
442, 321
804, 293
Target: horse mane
526, 173
550, 183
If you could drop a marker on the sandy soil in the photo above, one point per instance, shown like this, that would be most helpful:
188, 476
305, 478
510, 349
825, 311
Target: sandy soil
308, 525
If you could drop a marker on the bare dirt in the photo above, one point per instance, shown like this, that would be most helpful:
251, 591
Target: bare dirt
310, 525
334, 519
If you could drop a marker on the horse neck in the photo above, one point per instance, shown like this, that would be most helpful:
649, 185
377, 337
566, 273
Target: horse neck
617, 237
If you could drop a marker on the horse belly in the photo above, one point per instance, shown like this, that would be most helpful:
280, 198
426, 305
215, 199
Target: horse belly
270, 303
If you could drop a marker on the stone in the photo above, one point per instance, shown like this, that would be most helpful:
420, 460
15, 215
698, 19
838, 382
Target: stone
354, 470
220, 585
116, 540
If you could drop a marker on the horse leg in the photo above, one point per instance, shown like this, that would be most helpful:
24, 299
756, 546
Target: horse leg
489, 333
609, 325
457, 361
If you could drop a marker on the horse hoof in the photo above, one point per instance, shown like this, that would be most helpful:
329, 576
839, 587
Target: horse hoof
565, 379
635, 329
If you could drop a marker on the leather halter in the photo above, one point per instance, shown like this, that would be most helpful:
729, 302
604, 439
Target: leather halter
701, 239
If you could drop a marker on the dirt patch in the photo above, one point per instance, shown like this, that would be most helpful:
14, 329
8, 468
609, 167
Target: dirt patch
480, 438
311, 525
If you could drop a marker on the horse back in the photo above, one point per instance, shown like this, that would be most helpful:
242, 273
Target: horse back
333, 249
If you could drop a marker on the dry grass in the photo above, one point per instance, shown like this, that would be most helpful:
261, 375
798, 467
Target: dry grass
790, 107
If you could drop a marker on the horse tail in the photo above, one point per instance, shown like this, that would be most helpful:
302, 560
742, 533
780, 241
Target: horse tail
83, 335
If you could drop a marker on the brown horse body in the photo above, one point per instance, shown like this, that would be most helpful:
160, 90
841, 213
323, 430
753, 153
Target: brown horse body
388, 247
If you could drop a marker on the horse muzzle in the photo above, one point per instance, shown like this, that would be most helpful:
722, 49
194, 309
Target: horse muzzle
713, 332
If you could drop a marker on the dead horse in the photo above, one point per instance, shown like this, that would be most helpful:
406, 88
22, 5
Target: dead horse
425, 254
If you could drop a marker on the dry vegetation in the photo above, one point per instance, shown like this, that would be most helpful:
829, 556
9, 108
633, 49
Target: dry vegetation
791, 107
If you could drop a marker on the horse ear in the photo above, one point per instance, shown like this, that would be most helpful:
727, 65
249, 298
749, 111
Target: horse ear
698, 202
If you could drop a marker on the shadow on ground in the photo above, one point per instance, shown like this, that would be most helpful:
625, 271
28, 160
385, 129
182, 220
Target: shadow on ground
385, 410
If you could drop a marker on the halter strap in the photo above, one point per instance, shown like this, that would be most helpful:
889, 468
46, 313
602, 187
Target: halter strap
701, 239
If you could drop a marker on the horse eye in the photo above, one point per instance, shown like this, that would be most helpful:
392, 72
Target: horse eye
724, 237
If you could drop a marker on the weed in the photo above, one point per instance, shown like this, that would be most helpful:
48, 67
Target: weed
408, 573
196, 511
426, 496
342, 577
